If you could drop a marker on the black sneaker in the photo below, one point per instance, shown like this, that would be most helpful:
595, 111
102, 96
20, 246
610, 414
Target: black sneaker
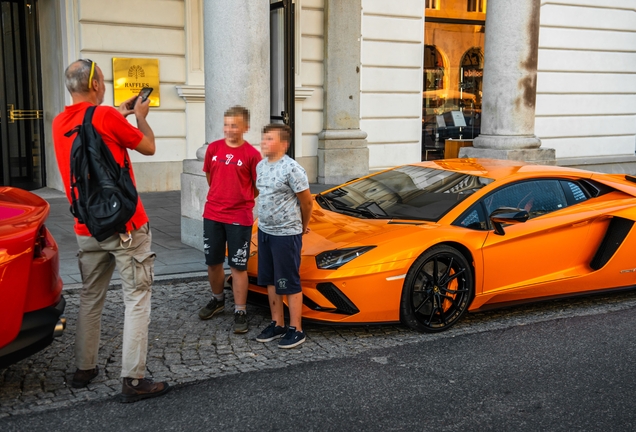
214, 307
292, 338
81, 378
240, 321
271, 332
133, 390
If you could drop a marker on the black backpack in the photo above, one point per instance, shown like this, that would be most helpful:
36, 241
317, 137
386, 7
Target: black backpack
103, 195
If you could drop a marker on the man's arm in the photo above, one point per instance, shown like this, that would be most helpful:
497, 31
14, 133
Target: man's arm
207, 176
306, 207
147, 145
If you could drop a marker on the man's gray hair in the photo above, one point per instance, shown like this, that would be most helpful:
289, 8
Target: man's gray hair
77, 76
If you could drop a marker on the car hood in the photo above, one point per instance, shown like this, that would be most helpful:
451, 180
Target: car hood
330, 230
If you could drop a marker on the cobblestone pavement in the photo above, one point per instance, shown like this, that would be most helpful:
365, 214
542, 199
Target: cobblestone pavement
184, 349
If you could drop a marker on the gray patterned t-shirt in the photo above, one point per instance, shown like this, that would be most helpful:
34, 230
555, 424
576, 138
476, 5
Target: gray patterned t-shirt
278, 207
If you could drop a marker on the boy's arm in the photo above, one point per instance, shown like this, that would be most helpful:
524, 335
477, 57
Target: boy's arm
254, 172
306, 207
207, 168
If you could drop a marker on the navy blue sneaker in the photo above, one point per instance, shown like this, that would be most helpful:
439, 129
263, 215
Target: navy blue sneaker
271, 332
292, 338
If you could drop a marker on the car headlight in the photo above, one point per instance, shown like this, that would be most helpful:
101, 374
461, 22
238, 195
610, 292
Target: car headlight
334, 259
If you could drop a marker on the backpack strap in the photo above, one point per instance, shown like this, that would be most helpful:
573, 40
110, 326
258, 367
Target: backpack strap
88, 121
72, 131
88, 116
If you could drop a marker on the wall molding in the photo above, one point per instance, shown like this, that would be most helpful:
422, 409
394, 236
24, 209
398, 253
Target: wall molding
191, 93
303, 93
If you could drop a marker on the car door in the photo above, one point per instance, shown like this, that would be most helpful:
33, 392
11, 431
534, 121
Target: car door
553, 244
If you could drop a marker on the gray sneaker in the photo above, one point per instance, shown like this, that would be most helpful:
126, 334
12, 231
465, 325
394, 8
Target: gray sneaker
212, 308
240, 322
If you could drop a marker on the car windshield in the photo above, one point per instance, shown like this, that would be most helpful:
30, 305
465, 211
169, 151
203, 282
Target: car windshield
406, 192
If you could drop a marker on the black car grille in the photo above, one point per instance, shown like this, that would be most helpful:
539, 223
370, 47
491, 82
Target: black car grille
340, 301
254, 281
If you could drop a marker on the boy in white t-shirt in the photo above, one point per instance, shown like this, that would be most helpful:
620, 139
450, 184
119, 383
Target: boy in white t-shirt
284, 208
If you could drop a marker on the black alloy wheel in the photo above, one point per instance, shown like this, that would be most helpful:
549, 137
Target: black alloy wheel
437, 290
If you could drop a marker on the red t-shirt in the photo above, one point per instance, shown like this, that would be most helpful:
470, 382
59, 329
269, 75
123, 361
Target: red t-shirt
232, 181
118, 135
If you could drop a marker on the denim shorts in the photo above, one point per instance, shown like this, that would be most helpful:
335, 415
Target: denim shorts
278, 262
237, 237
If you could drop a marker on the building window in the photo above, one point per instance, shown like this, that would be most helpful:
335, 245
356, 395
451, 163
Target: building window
433, 4
453, 69
476, 6
433, 69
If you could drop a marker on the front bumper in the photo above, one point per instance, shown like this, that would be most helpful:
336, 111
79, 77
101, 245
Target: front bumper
354, 299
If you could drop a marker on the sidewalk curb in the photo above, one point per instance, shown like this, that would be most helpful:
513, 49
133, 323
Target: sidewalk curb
158, 280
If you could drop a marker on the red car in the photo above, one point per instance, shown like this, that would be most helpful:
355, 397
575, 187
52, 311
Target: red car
31, 302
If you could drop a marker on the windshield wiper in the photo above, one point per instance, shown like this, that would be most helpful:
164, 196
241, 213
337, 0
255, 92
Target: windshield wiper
324, 200
369, 208
373, 208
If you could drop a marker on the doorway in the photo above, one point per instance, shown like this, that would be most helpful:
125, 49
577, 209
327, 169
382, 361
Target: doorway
21, 123
281, 22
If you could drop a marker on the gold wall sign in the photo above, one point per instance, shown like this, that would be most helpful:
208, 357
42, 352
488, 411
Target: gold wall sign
131, 75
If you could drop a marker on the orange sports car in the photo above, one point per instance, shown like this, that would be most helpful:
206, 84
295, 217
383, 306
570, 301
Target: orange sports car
426, 242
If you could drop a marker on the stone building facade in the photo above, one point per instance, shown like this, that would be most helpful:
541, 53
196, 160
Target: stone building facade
356, 80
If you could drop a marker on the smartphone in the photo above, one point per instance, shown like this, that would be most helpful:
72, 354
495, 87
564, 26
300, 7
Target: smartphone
143, 94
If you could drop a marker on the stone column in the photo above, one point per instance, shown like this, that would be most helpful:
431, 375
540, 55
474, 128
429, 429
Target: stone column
510, 85
342, 147
236, 60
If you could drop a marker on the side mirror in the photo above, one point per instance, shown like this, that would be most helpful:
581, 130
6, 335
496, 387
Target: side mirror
507, 215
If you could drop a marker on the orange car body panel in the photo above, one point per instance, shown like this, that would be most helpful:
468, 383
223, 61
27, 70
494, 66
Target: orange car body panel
545, 257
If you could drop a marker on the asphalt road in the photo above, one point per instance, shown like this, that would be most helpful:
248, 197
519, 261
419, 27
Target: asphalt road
575, 373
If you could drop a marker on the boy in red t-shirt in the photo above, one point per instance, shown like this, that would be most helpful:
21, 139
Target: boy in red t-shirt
230, 168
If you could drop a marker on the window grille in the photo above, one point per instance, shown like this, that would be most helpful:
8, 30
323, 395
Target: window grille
476, 6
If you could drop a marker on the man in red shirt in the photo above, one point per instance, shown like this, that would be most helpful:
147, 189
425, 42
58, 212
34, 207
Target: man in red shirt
230, 168
130, 252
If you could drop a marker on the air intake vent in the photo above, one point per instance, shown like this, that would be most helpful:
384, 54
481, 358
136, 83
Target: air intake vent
340, 301
614, 237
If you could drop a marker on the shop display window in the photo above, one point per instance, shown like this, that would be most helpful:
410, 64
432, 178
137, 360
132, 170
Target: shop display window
453, 77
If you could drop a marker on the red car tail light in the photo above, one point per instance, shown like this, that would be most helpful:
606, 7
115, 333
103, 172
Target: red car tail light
41, 242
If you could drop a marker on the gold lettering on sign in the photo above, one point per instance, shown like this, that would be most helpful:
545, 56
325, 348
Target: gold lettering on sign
473, 73
130, 75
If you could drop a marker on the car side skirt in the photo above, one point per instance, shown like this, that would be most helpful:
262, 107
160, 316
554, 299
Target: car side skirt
503, 305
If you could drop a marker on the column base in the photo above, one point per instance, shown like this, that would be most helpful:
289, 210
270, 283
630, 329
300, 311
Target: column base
342, 155
542, 156
194, 190
507, 142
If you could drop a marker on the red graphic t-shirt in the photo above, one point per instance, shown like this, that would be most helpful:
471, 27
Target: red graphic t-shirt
118, 135
232, 179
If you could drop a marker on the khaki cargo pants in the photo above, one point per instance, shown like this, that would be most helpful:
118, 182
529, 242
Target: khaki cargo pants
135, 263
